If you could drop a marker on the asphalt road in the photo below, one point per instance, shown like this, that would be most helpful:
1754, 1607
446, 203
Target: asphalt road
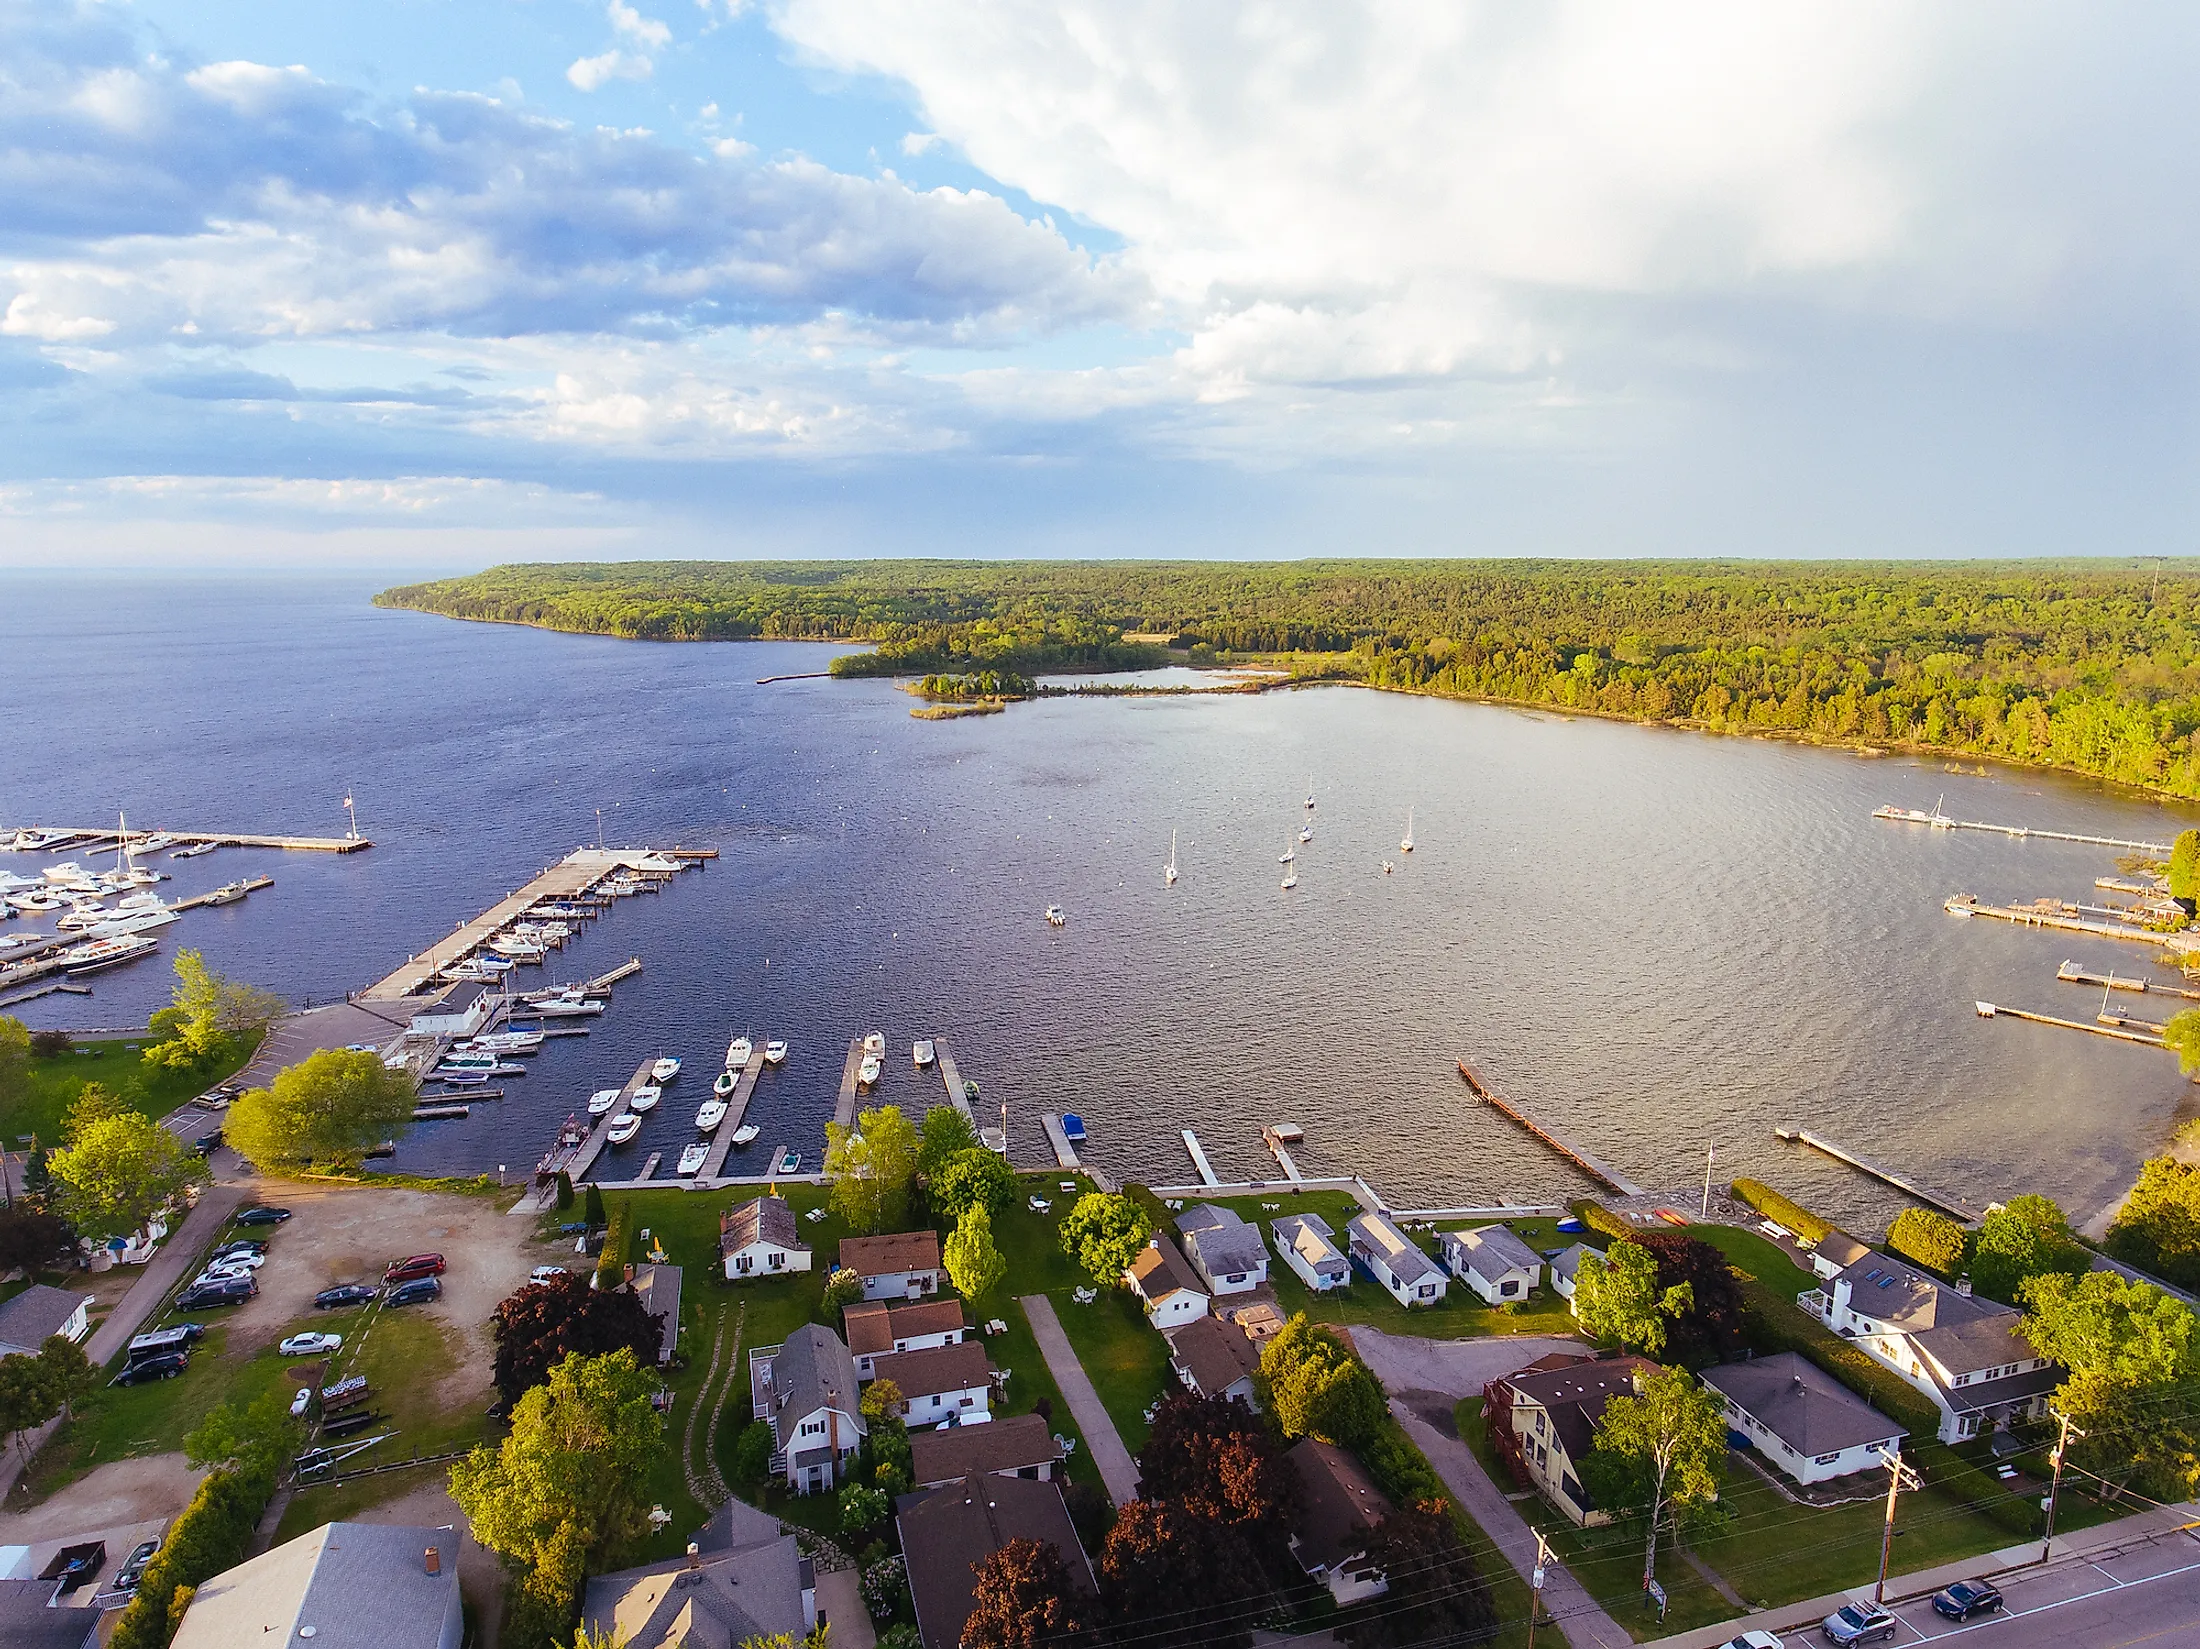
2148, 1595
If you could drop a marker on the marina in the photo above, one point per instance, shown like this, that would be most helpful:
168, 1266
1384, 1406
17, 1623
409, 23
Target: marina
1592, 1166
737, 1110
1947, 1204
584, 1155
1938, 820
2050, 913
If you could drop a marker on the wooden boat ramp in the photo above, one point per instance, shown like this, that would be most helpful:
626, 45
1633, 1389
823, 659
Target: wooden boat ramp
1594, 1167
1947, 1204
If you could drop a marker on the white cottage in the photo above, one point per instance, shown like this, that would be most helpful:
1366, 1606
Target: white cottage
1566, 1269
1801, 1418
1493, 1262
1162, 1279
806, 1391
1307, 1246
1223, 1249
1395, 1260
760, 1239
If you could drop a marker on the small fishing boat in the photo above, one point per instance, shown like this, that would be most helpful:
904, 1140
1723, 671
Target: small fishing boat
726, 1083
874, 1045
1388, 867
868, 1072
775, 1053
1073, 1127
623, 1128
790, 1162
693, 1158
506, 1042
646, 1097
1287, 855
484, 1060
738, 1051
711, 1115
1290, 876
1406, 846
922, 1053
602, 1100
744, 1135
197, 850
1168, 871
1057, 917
664, 1070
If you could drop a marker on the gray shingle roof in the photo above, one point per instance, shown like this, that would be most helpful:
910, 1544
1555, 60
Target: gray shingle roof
1216, 1354
659, 1289
358, 1585
1897, 1293
812, 1371
1309, 1237
1491, 1250
1805, 1407
726, 1597
1407, 1260
1224, 1248
1341, 1504
35, 1314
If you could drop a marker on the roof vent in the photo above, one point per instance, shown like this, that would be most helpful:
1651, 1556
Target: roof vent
434, 1560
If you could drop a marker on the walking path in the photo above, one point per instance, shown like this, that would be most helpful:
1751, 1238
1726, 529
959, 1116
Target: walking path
1117, 1470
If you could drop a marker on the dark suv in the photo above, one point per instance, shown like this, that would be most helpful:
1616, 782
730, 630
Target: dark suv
415, 1292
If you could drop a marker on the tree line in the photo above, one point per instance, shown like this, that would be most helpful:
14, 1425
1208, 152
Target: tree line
2089, 666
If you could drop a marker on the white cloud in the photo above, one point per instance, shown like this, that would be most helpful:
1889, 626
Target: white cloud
632, 24
589, 73
917, 143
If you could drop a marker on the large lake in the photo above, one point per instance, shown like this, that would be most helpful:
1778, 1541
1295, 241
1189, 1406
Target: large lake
1659, 941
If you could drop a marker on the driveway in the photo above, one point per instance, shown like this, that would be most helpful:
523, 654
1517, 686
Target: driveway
1456, 1368
1117, 1469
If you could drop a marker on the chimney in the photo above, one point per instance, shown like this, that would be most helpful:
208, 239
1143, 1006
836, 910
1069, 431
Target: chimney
1963, 1286
630, 1274
434, 1560
695, 1555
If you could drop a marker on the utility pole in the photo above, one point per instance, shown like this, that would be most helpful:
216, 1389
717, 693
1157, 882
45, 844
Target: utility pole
2054, 1489
1535, 1602
1899, 1477
1709, 1151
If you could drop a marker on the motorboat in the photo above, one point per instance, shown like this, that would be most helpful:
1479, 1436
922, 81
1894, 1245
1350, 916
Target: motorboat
726, 1083
874, 1045
868, 1072
775, 1053
197, 850
482, 1061
1306, 833
922, 1053
790, 1162
141, 901
623, 1129
1389, 868
84, 914
1287, 855
446, 1072
602, 1100
1073, 1127
40, 900
518, 949
744, 1135
563, 1007
693, 1158
1057, 917
461, 1079
131, 921
506, 1042
664, 1070
153, 843
107, 953
646, 1097
1406, 846
68, 874
1290, 876
227, 894
711, 1115
738, 1051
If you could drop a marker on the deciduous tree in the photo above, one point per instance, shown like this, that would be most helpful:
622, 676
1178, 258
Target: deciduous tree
2184, 869
2158, 1227
31, 1238
15, 1064
69, 1372
1174, 1578
1672, 1435
1709, 1326
2026, 1238
1024, 1599
871, 1166
947, 1134
974, 1264
209, 1015
1927, 1237
28, 1398
973, 1178
539, 1326
1213, 1456
1434, 1591
1103, 1233
329, 1107
1620, 1301
2133, 1354
842, 1289
1313, 1386
94, 1103
119, 1172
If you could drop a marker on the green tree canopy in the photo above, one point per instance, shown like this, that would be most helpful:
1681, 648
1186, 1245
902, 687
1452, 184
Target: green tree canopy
15, 1064
2184, 866
119, 1172
1313, 1385
947, 1134
209, 1015
842, 1289
1670, 1439
2027, 1237
973, 1178
974, 1264
1618, 1299
1103, 1233
257, 1438
332, 1106
2158, 1227
2134, 1355
94, 1103
1927, 1237
2182, 1037
29, 1398
871, 1166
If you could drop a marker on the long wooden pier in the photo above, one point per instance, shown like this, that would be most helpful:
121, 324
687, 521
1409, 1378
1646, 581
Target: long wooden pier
737, 1107
1199, 1157
575, 874
1592, 1166
953, 1078
1947, 1204
79, 840
1941, 821
2072, 974
585, 1154
2054, 916
844, 1108
1989, 1010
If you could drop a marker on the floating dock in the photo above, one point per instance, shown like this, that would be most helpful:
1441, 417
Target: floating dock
221, 895
1941, 821
1199, 1157
2102, 1027
1592, 1166
603, 982
1065, 1154
585, 1154
1952, 1205
1273, 1138
2052, 914
79, 840
737, 1107
2071, 974
953, 1078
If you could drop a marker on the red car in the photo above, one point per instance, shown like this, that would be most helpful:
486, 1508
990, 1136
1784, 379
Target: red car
418, 1265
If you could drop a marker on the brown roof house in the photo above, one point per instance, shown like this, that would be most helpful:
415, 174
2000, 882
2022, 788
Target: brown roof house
941, 1383
876, 1328
902, 1265
1341, 1508
1554, 1408
760, 1239
1014, 1445
1214, 1359
945, 1532
1165, 1281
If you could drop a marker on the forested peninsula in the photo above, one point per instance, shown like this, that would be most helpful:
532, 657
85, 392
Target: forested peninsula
2089, 666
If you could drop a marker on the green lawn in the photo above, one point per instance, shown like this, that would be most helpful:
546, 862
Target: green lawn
114, 1064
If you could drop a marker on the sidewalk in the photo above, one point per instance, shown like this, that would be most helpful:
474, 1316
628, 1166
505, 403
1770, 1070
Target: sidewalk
1117, 1470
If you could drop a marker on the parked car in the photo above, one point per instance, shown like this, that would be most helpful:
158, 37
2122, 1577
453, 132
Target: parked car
413, 1265
1858, 1623
230, 1291
1965, 1599
263, 1216
238, 1259
343, 1294
547, 1273
300, 1403
240, 1245
133, 1566
207, 1144
165, 1367
161, 1342
419, 1289
1754, 1640
310, 1344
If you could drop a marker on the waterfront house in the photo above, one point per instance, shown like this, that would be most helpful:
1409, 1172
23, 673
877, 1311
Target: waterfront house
806, 1390
37, 1314
1223, 1249
750, 1592
877, 1328
460, 1011
1339, 1510
389, 1584
1214, 1359
950, 1382
1166, 1283
1962, 1352
901, 1265
1395, 1260
1566, 1269
1493, 1262
658, 1288
946, 1532
1552, 1410
1307, 1246
1801, 1419
761, 1239
1835, 1253
1014, 1445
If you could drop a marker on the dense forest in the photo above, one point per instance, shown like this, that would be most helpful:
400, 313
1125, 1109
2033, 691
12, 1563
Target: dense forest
2090, 666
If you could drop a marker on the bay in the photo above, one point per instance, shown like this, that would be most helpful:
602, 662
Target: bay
1658, 941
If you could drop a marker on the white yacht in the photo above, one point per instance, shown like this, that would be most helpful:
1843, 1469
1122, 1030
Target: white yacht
107, 953
85, 913
711, 1115
744, 1135
664, 1070
601, 1101
153, 843
623, 1128
483, 1060
68, 874
508, 1042
874, 1045
645, 1097
518, 949
775, 1053
868, 1072
738, 1051
197, 850
693, 1158
565, 1007
125, 921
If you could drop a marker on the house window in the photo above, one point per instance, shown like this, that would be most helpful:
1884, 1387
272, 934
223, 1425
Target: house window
935, 1399
1510, 1288
773, 1261
1825, 1459
1235, 1277
967, 1400
744, 1262
1428, 1291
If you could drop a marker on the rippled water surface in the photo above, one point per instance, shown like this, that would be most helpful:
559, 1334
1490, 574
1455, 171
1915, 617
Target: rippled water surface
1659, 941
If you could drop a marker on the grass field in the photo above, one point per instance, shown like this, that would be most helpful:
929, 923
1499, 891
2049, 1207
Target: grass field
114, 1064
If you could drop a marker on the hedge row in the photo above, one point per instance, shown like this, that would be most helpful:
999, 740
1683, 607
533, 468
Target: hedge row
618, 1241
208, 1538
1602, 1220
1774, 1207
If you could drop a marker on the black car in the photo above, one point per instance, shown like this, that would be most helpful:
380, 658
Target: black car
207, 1144
235, 1292
263, 1216
133, 1567
1965, 1599
419, 1289
329, 1299
154, 1368
243, 1245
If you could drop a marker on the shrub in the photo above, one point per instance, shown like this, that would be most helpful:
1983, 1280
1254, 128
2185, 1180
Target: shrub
1601, 1220
618, 1239
882, 1588
207, 1538
752, 1454
1400, 1469
1928, 1238
1768, 1202
565, 1189
862, 1507
842, 1289
592, 1208
49, 1044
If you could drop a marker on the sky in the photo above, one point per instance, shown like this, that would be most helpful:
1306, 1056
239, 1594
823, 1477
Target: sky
440, 283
